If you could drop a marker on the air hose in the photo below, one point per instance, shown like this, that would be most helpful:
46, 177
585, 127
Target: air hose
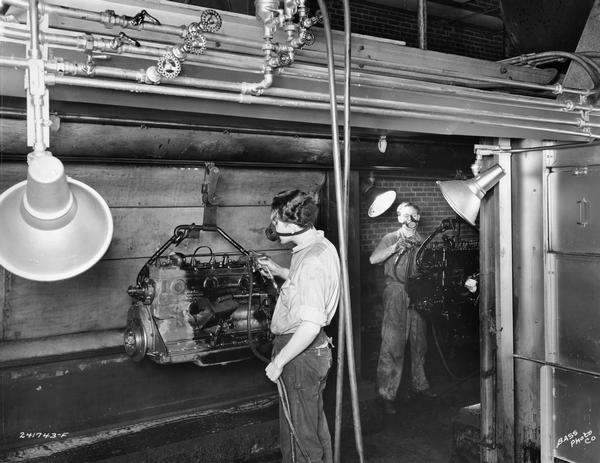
443, 358
285, 405
288, 416
249, 314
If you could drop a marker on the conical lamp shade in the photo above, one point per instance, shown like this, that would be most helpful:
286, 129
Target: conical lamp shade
52, 227
464, 196
379, 201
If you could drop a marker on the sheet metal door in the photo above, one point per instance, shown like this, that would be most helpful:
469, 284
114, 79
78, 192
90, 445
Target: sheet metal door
571, 376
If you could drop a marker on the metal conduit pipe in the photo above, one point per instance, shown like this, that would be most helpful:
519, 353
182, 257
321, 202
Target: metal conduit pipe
212, 95
358, 102
556, 146
545, 60
84, 43
103, 17
385, 66
299, 95
342, 236
410, 71
201, 83
459, 77
539, 61
322, 97
432, 87
36, 98
81, 42
238, 62
139, 76
589, 66
124, 22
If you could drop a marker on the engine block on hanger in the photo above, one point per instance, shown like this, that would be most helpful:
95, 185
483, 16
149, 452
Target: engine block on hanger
204, 309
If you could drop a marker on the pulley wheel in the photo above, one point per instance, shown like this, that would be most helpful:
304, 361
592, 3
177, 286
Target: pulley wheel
135, 339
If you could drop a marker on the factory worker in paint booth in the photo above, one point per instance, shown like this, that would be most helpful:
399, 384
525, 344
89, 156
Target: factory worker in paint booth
307, 302
400, 325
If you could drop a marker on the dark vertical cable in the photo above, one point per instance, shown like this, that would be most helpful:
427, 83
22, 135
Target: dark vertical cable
342, 232
346, 207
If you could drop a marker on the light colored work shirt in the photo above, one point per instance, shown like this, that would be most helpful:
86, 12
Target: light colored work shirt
312, 290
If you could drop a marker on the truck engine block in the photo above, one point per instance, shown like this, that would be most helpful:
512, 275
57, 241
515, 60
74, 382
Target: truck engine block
202, 309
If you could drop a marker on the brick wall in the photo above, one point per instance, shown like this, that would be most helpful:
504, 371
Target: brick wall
442, 35
425, 193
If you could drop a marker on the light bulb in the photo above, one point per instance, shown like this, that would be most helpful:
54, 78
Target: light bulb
382, 144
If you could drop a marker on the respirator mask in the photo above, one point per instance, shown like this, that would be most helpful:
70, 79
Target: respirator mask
273, 235
411, 221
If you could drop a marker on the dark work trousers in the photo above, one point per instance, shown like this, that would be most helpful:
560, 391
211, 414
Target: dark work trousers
400, 326
304, 379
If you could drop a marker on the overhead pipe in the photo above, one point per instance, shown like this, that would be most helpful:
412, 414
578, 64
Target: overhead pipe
266, 14
277, 55
266, 10
385, 66
71, 68
271, 101
103, 71
588, 65
36, 94
549, 121
380, 81
90, 43
110, 19
236, 62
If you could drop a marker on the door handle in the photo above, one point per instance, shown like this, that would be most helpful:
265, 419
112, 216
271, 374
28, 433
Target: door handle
584, 212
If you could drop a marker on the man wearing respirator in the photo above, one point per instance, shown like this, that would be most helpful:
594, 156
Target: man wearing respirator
397, 252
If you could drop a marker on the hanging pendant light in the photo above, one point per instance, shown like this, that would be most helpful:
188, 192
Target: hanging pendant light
378, 200
51, 226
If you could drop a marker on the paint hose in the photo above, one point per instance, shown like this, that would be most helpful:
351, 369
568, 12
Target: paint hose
443, 358
288, 416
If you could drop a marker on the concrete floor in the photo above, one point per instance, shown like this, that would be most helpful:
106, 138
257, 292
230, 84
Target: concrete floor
421, 432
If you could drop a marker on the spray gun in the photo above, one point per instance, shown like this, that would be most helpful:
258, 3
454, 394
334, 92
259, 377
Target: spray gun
264, 270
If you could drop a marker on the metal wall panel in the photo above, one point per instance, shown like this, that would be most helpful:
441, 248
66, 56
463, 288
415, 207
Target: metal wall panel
528, 299
570, 379
577, 297
574, 219
528, 255
576, 416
